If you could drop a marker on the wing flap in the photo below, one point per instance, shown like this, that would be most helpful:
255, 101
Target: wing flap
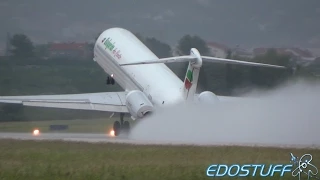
107, 101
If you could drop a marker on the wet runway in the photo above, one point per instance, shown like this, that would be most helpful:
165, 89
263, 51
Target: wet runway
82, 137
79, 137
105, 138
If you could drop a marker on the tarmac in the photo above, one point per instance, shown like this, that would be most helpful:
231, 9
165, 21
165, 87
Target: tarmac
124, 139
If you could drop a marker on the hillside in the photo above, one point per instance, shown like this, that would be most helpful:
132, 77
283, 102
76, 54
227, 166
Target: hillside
63, 76
34, 77
51, 77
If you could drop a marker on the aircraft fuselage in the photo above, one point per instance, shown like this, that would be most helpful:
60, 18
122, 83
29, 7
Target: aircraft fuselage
115, 46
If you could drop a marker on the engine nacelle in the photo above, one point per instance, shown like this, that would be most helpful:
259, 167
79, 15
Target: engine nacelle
138, 104
208, 97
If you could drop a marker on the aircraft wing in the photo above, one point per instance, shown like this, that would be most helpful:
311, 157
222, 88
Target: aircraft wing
103, 101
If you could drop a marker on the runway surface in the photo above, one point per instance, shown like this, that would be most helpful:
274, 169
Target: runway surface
105, 138
78, 137
82, 137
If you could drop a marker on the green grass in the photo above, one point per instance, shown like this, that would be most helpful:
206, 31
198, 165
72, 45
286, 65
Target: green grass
71, 160
83, 126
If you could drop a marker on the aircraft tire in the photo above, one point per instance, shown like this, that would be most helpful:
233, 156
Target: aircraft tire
116, 128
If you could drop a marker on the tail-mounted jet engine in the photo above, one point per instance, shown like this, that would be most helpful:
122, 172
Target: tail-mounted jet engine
138, 104
208, 97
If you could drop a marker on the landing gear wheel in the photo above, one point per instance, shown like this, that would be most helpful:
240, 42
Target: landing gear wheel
125, 127
116, 128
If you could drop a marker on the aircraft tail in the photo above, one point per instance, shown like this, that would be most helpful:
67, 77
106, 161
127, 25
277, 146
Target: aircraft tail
195, 63
190, 82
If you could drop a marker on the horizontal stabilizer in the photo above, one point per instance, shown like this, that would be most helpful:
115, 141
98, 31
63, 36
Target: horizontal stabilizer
231, 61
191, 58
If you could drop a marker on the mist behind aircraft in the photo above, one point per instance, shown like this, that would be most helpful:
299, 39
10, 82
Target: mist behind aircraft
287, 116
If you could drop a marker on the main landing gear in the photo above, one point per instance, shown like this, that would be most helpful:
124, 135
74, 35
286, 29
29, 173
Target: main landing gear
110, 80
121, 126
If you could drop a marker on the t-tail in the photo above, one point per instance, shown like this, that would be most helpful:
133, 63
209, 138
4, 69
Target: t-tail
195, 63
192, 76
190, 82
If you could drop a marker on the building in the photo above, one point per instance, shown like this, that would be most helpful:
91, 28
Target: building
218, 50
243, 53
315, 51
302, 54
175, 50
71, 50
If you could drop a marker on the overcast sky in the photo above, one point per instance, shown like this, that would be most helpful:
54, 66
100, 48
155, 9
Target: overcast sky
244, 22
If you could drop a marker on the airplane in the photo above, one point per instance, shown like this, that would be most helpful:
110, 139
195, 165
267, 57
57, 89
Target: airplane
147, 81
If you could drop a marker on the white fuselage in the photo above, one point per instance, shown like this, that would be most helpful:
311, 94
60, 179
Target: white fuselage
116, 46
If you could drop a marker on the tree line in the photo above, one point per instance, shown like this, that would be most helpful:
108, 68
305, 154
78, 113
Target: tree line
212, 76
221, 79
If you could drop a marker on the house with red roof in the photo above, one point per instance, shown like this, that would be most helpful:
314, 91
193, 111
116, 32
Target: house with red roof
221, 51
302, 54
218, 50
71, 50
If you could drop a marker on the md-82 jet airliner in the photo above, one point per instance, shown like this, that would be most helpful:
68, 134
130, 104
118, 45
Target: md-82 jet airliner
146, 80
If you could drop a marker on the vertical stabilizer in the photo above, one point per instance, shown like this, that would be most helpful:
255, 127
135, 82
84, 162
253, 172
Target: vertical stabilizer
192, 76
190, 82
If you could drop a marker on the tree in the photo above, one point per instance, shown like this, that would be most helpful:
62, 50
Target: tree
41, 50
184, 45
272, 57
159, 48
23, 46
96, 38
229, 54
269, 77
90, 48
139, 36
162, 50
212, 76
187, 42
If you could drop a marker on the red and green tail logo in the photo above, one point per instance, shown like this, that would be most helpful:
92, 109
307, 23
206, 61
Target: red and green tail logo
188, 80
